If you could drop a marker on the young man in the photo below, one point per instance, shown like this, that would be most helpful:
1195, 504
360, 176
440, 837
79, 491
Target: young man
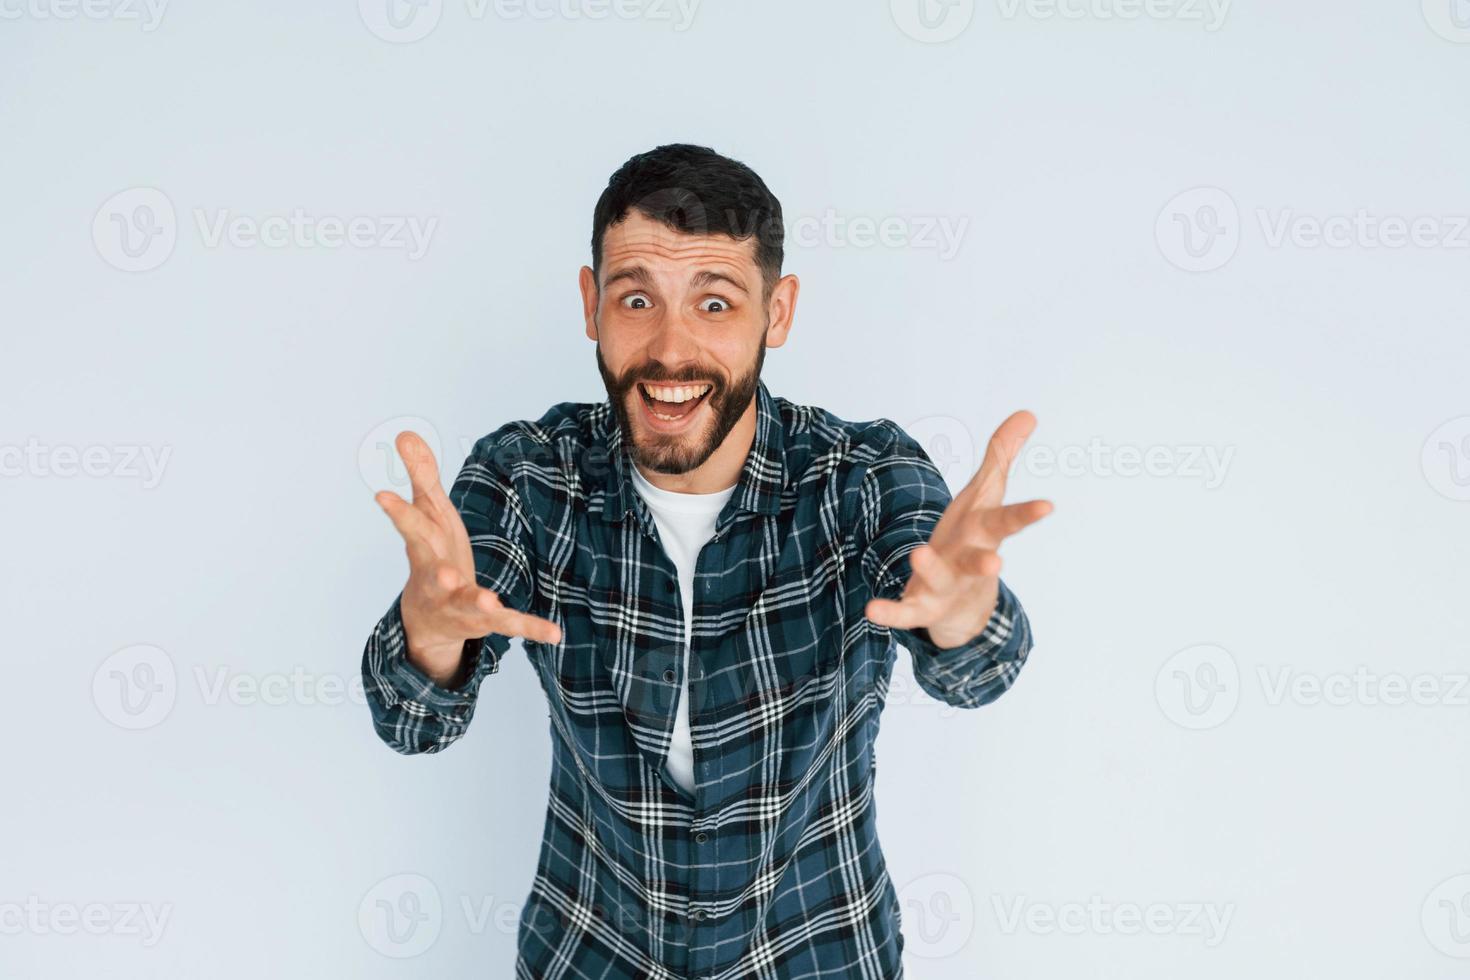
709, 581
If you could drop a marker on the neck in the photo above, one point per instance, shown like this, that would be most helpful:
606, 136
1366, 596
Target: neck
722, 470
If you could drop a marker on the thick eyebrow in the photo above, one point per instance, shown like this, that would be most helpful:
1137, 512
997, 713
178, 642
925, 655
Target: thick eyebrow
708, 277
705, 277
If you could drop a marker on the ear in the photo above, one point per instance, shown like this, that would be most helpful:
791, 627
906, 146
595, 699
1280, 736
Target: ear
781, 310
587, 283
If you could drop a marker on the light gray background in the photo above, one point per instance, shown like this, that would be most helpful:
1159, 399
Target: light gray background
1147, 759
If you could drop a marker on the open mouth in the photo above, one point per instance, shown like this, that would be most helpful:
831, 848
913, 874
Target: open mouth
672, 403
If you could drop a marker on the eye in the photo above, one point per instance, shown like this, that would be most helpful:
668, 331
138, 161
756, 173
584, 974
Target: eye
640, 299
721, 305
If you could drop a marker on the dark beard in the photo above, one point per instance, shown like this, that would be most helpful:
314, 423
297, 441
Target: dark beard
680, 454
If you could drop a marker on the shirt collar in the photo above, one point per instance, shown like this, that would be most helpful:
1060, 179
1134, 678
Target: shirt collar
762, 478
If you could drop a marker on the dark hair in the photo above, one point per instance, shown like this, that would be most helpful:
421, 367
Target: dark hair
696, 191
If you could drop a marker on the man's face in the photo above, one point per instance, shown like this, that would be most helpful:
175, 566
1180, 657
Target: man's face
681, 333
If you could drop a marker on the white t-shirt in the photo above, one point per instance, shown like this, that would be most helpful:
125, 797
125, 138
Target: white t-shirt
685, 522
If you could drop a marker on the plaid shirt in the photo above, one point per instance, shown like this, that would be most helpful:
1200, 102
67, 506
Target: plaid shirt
773, 868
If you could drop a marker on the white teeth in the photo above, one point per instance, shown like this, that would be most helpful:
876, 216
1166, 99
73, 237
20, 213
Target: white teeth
675, 394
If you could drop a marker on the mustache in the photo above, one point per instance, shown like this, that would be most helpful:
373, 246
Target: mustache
655, 375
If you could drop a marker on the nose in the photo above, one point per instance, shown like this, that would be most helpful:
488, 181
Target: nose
673, 344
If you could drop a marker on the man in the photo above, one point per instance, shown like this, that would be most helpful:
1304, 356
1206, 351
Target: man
709, 581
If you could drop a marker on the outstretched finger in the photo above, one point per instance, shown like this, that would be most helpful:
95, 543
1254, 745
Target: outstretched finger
1005, 521
509, 622
1000, 453
415, 529
896, 614
423, 468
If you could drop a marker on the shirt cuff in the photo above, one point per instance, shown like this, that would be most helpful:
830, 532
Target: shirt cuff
410, 683
1000, 639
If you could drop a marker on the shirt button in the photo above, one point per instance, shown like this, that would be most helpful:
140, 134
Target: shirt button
669, 586
669, 676
701, 838
697, 915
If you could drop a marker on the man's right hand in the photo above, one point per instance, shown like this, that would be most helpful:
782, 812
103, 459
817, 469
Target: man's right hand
442, 604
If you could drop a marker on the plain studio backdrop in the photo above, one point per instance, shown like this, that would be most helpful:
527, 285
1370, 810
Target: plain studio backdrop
1221, 251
